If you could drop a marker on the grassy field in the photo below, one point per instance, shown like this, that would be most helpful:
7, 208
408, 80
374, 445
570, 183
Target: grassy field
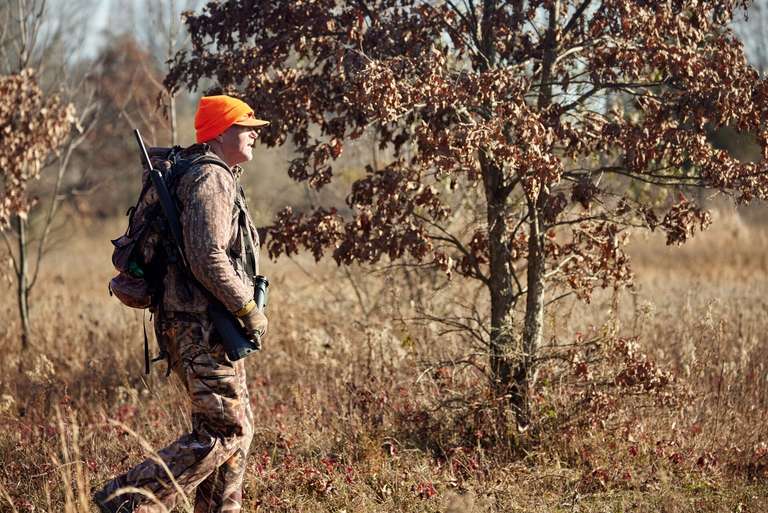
650, 400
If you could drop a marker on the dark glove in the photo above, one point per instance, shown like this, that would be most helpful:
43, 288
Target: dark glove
255, 323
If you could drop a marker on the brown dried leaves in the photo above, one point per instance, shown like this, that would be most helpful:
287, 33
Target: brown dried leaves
31, 127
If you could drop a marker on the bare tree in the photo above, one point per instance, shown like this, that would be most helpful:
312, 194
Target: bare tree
165, 36
32, 37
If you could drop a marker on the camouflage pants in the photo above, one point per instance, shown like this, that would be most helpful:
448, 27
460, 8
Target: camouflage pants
208, 463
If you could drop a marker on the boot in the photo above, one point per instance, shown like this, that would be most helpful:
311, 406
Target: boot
120, 504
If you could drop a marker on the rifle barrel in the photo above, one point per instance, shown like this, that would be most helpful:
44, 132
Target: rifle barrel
144, 154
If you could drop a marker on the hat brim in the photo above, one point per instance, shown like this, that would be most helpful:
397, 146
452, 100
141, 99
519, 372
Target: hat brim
249, 121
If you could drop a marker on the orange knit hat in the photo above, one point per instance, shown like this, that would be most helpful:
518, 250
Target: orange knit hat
217, 113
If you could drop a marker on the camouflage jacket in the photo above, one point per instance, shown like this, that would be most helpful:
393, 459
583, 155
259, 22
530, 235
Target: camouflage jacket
214, 218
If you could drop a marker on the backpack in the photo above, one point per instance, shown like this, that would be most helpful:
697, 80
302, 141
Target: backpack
142, 254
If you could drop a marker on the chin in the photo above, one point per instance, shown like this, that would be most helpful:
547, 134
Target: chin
244, 157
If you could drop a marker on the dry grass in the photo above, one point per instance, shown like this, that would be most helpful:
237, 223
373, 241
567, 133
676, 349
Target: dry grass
354, 412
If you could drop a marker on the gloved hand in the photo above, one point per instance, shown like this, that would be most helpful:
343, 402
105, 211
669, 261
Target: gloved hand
255, 322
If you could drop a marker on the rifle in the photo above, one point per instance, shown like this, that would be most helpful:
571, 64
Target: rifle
236, 343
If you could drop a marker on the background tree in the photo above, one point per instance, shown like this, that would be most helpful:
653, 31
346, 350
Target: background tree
165, 36
36, 129
524, 139
127, 82
127, 75
32, 126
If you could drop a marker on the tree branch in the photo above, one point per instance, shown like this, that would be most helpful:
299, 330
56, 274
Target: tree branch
667, 180
55, 197
359, 296
471, 24
550, 55
600, 217
576, 15
507, 189
454, 242
472, 11
559, 266
558, 298
581, 99
458, 323
451, 239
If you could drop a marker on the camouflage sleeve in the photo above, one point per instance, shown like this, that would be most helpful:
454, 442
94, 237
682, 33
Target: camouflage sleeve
206, 218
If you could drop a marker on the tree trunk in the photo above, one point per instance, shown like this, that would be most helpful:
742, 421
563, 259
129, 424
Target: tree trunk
501, 284
502, 353
524, 371
513, 360
534, 322
22, 290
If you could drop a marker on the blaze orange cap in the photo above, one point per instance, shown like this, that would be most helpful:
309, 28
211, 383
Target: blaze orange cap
215, 114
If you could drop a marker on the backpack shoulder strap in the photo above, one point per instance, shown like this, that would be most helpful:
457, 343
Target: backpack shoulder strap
181, 166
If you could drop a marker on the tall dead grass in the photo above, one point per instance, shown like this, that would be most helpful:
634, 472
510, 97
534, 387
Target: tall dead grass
653, 400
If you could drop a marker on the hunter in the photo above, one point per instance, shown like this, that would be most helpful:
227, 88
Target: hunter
221, 246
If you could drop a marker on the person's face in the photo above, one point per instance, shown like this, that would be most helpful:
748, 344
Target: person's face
237, 144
